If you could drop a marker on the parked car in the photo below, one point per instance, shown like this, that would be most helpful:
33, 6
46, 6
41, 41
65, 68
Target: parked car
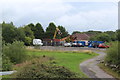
67, 44
94, 44
103, 46
80, 43
74, 44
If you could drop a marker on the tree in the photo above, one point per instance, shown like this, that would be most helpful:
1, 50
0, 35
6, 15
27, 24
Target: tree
101, 37
118, 34
8, 32
74, 32
50, 30
20, 34
112, 35
29, 35
28, 41
93, 32
32, 26
38, 31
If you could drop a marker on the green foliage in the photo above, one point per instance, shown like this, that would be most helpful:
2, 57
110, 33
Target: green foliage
28, 41
8, 32
0, 39
39, 32
113, 54
29, 35
93, 32
50, 30
6, 63
112, 35
118, 34
43, 68
28, 32
74, 32
32, 26
20, 34
15, 52
101, 37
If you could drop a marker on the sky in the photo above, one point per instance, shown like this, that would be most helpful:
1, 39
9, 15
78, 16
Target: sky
74, 15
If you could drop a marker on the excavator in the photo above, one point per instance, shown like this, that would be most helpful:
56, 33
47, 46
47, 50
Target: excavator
57, 31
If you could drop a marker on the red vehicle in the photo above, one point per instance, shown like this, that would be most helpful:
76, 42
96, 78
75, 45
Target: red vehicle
103, 46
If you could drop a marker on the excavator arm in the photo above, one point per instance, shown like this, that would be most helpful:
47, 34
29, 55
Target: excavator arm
57, 31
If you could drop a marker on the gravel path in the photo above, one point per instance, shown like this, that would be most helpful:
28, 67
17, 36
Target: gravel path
90, 68
7, 72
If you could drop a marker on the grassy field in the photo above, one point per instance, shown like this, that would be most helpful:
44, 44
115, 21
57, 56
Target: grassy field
70, 60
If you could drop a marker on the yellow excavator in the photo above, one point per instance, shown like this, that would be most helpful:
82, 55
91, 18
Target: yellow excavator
57, 31
63, 39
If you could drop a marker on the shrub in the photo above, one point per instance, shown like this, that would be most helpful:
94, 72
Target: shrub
113, 55
15, 52
6, 63
43, 68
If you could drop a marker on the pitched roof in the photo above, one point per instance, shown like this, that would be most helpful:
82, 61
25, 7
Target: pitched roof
79, 36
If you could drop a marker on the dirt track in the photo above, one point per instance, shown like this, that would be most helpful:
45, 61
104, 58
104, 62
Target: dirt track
91, 69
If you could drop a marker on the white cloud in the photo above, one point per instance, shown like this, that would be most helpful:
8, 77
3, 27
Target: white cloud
91, 0
26, 11
92, 20
61, 12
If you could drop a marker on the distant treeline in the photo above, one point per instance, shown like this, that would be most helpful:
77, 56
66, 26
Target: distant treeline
103, 36
27, 33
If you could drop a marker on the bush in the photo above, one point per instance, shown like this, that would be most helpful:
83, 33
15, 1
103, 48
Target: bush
101, 37
43, 68
15, 52
113, 55
6, 64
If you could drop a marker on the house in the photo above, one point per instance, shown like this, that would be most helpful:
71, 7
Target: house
81, 36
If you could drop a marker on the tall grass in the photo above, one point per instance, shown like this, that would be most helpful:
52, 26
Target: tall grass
15, 52
6, 64
113, 54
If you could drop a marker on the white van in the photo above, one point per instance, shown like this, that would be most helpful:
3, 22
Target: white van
37, 42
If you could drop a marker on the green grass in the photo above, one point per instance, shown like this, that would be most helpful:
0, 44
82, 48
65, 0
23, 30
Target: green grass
109, 71
70, 60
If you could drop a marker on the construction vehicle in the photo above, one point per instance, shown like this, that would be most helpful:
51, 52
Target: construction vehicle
57, 31
37, 42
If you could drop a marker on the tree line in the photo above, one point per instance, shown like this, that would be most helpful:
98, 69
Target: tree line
27, 33
107, 36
